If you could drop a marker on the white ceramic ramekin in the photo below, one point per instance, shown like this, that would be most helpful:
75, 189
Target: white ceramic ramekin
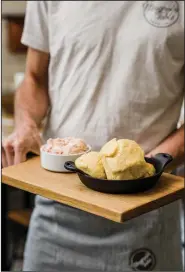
55, 162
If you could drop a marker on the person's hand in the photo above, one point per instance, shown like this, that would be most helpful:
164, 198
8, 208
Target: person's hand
23, 140
149, 155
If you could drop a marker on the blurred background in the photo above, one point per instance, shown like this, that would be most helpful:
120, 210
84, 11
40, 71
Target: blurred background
18, 204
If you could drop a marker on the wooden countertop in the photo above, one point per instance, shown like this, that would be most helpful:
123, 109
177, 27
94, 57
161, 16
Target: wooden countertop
67, 188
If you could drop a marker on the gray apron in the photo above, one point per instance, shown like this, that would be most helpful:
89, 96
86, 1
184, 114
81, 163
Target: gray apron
66, 239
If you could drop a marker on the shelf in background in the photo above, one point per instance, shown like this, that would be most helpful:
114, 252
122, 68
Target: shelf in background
21, 217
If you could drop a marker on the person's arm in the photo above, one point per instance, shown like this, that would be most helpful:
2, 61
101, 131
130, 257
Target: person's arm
32, 100
31, 106
173, 145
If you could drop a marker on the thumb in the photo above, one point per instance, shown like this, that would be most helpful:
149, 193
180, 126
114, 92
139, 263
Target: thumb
20, 156
36, 149
37, 145
149, 155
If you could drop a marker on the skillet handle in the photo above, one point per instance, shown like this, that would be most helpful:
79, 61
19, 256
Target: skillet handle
70, 166
164, 158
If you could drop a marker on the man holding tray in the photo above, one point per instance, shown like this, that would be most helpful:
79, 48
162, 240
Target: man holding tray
99, 70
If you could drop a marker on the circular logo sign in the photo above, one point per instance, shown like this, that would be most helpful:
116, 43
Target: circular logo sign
142, 260
161, 13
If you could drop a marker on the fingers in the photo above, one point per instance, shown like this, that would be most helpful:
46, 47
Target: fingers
19, 154
4, 160
9, 151
17, 146
13, 153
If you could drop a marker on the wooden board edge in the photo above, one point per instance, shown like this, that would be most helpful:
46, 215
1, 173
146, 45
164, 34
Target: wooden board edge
165, 174
165, 200
114, 216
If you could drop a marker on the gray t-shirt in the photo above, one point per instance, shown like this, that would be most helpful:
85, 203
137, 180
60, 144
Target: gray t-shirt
116, 67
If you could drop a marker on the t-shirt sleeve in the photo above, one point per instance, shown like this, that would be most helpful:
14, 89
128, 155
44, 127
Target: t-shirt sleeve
35, 32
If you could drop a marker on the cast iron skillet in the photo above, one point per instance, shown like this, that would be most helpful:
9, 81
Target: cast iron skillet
124, 186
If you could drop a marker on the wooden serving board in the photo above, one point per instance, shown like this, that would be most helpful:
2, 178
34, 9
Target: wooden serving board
68, 189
